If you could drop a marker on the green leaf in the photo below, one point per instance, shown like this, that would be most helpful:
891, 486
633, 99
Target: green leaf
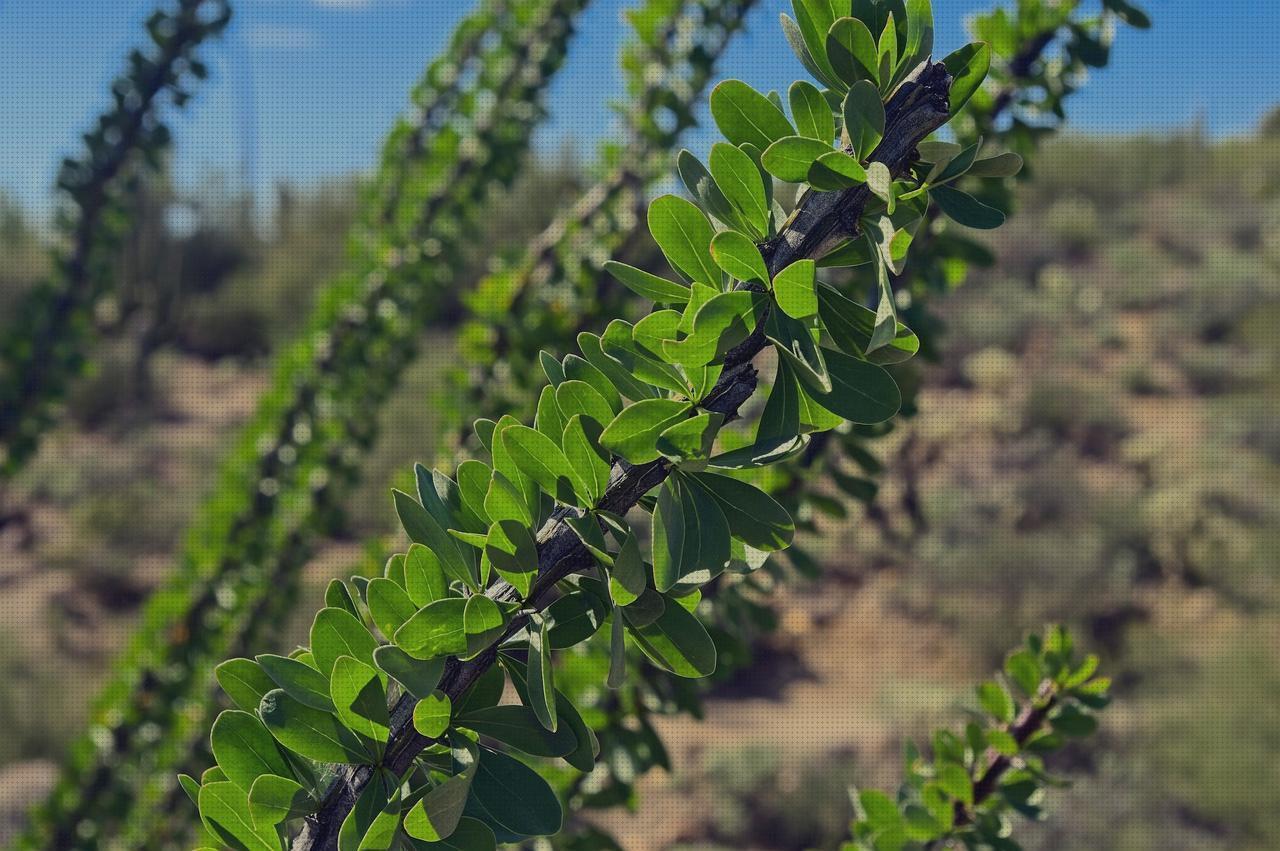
739, 179
955, 781
798, 348
374, 821
424, 578
811, 112
273, 800
244, 748
541, 685
793, 288
504, 501
389, 605
419, 678
966, 209
574, 618
633, 434
394, 569
361, 701
722, 323
513, 797
424, 528
863, 118
691, 439
684, 235
791, 157
470, 835
738, 256
587, 460
754, 517
919, 31
781, 416
336, 632
851, 49
861, 392
956, 166
853, 253
512, 550
309, 732
542, 460
299, 680
583, 756
850, 326
618, 373
1071, 721
484, 427
765, 453
436, 630
919, 824
938, 152
746, 116
796, 39
519, 727
432, 714
579, 369
339, 597
658, 334
880, 810
224, 809
646, 609
690, 534
244, 681
617, 652
814, 19
886, 322
880, 182
1024, 669
887, 51
836, 170
483, 623
191, 786
1001, 165
675, 641
580, 398
627, 579
703, 188
546, 419
997, 701
437, 815
968, 67
648, 286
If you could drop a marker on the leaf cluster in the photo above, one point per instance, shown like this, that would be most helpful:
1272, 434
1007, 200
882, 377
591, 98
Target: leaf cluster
43, 344
644, 400
966, 793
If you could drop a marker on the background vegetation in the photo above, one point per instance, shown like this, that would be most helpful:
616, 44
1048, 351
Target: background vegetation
1102, 448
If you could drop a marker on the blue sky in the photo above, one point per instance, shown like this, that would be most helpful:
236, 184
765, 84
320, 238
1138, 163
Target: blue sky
305, 89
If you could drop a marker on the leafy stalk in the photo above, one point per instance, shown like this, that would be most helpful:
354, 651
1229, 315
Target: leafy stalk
42, 347
625, 160
504, 521
277, 490
964, 795
553, 285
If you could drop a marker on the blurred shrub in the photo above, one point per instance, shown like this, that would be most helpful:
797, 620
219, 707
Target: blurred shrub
1082, 412
763, 799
